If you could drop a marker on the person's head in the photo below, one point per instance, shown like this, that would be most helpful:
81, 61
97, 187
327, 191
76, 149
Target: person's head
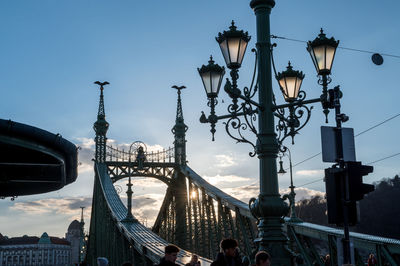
101, 261
171, 253
127, 263
228, 247
194, 258
263, 259
371, 256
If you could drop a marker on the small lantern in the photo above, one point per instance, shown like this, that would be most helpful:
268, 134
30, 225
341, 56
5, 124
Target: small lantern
290, 82
211, 75
233, 44
281, 170
322, 51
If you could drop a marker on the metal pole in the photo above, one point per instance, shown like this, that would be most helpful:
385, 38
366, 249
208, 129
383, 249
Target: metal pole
269, 207
129, 192
293, 217
344, 179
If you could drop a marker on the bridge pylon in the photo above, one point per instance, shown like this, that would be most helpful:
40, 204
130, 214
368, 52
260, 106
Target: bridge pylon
179, 189
179, 131
101, 127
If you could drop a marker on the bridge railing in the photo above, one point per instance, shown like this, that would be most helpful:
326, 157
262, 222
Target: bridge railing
118, 240
304, 236
386, 249
115, 153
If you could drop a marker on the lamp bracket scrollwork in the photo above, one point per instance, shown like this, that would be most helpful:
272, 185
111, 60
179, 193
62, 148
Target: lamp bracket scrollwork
242, 115
292, 123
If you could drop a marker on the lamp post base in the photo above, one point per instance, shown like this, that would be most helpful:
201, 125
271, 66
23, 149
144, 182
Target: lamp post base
269, 210
272, 240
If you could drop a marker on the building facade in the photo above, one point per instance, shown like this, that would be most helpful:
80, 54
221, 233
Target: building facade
74, 235
31, 250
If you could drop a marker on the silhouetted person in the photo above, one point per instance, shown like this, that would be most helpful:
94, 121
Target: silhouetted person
229, 255
127, 263
194, 261
101, 261
327, 260
371, 260
170, 256
263, 259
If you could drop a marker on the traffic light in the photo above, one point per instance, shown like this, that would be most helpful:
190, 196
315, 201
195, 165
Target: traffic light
335, 179
334, 187
355, 172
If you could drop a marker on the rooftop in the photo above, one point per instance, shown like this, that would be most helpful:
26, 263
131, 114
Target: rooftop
31, 240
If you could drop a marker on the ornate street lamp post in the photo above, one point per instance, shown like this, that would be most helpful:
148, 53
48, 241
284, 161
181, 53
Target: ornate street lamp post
292, 195
139, 158
269, 207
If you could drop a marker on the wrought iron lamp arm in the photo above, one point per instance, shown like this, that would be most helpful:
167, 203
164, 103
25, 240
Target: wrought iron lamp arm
297, 103
231, 88
248, 100
204, 119
291, 125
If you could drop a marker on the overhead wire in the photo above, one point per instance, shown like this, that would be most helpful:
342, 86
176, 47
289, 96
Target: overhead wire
384, 158
362, 132
340, 47
377, 125
379, 160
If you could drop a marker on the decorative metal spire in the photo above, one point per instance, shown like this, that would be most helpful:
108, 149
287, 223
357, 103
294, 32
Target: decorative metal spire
82, 222
82, 244
101, 126
101, 114
179, 131
179, 112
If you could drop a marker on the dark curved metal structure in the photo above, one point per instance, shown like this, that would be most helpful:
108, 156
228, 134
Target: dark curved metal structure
33, 160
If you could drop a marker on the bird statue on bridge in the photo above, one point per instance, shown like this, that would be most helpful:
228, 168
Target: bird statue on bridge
101, 84
179, 88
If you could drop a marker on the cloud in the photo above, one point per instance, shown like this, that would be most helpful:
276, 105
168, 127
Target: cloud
145, 208
59, 206
303, 193
147, 182
85, 154
244, 193
310, 172
225, 179
86, 142
127, 146
224, 161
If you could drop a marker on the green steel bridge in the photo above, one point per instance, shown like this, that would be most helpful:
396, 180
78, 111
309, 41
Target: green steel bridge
198, 223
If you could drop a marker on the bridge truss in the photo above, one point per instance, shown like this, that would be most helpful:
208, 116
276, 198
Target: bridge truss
194, 215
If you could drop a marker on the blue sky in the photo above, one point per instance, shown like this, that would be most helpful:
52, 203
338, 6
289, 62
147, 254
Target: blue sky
52, 51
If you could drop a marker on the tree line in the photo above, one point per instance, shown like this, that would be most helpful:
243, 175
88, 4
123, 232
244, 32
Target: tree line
379, 210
